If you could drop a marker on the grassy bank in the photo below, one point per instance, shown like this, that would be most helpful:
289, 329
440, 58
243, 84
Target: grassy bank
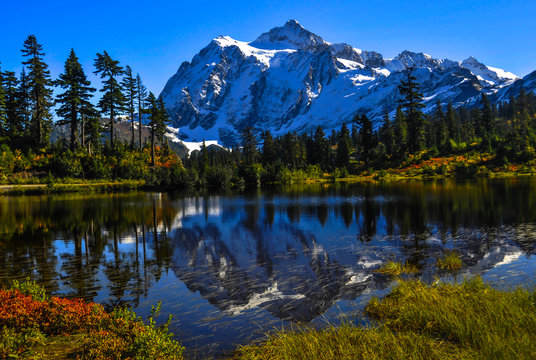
470, 320
418, 321
84, 186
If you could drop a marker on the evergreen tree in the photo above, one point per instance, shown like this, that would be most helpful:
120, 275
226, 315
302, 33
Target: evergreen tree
39, 91
141, 92
366, 137
269, 150
74, 102
440, 129
249, 146
3, 118
163, 121
113, 100
14, 124
452, 123
412, 103
130, 87
400, 132
387, 136
344, 147
158, 120
321, 152
153, 119
488, 120
24, 99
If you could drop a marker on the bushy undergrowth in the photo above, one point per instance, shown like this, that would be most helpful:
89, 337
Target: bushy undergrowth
29, 320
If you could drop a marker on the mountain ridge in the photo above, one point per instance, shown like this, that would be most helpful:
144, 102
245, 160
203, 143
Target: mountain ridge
290, 79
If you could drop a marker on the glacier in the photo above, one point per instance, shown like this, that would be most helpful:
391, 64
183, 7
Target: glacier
290, 79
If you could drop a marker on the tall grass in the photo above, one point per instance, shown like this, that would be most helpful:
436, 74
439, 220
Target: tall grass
395, 268
418, 321
450, 261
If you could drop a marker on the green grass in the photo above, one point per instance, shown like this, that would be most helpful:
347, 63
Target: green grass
418, 321
450, 261
395, 268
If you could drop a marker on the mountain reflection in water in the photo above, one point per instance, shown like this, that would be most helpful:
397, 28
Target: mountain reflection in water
231, 267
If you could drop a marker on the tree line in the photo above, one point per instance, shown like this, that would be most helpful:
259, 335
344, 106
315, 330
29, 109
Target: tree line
27, 110
504, 131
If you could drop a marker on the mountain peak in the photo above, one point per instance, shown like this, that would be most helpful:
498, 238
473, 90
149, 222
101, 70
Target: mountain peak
292, 35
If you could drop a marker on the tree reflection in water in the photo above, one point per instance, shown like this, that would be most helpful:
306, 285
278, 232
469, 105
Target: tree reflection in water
289, 254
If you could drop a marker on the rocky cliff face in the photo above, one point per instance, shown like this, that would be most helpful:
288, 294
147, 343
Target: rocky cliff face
290, 79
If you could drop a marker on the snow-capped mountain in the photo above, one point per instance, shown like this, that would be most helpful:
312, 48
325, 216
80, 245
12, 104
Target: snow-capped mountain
290, 79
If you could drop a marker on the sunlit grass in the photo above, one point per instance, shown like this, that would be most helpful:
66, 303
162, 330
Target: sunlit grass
395, 268
450, 260
418, 321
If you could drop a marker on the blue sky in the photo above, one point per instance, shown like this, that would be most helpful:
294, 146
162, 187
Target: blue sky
155, 37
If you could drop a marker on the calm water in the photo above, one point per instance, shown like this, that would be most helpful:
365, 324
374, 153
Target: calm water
232, 267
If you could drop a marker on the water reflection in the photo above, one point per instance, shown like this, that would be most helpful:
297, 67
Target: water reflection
230, 267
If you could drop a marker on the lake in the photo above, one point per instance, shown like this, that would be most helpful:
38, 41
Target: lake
232, 267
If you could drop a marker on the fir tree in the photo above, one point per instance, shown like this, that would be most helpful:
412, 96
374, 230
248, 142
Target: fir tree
113, 100
141, 92
163, 121
74, 102
440, 129
344, 147
129, 85
487, 117
412, 103
269, 151
158, 120
321, 149
452, 123
386, 133
14, 123
39, 91
366, 137
400, 132
24, 99
249, 146
3, 120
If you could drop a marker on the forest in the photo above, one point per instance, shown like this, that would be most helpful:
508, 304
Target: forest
478, 140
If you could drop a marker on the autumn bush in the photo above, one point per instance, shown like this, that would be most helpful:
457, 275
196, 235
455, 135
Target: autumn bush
29, 318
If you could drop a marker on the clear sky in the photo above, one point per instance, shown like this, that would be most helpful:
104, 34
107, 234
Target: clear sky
155, 37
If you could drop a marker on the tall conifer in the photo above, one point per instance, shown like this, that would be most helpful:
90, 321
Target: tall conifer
75, 106
39, 91
112, 101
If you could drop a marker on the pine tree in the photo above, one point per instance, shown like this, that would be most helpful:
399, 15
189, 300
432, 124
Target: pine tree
344, 147
129, 84
321, 152
366, 137
74, 102
269, 151
24, 99
412, 103
452, 123
14, 126
113, 100
141, 91
153, 119
3, 117
400, 132
440, 129
158, 120
387, 136
487, 117
249, 146
163, 121
39, 91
